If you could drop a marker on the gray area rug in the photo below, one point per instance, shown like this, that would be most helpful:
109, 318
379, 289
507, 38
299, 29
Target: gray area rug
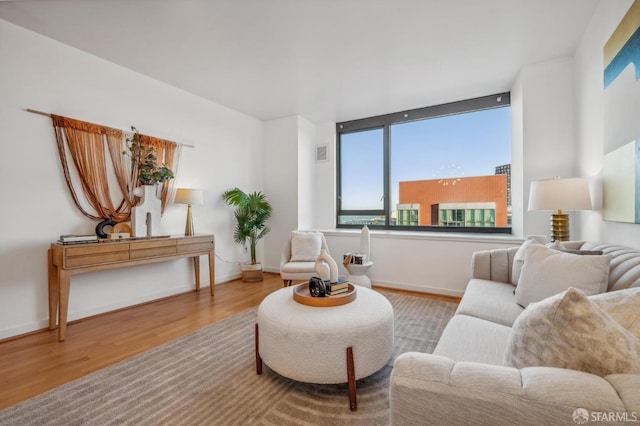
208, 378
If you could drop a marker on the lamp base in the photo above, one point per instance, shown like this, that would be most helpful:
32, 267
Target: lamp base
188, 229
559, 227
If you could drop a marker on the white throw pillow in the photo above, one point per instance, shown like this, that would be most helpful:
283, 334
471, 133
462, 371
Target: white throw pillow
569, 330
518, 259
305, 246
547, 272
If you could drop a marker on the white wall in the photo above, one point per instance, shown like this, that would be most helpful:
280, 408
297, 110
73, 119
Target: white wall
518, 201
280, 185
546, 96
290, 181
325, 179
306, 174
436, 263
45, 75
593, 142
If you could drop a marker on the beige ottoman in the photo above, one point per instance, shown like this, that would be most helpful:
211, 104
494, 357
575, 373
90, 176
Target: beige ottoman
337, 344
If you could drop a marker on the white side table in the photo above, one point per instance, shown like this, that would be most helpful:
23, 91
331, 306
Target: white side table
358, 274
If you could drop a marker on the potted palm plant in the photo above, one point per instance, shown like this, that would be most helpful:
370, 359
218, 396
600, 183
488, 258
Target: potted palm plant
251, 213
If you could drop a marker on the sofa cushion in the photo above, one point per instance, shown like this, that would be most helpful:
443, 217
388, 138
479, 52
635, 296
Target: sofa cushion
305, 246
430, 390
568, 330
467, 338
547, 272
490, 300
624, 270
494, 265
570, 388
298, 268
626, 386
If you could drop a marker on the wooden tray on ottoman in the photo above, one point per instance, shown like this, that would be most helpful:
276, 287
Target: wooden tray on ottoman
301, 295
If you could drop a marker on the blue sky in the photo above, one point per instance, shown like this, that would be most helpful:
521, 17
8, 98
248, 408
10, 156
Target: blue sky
462, 145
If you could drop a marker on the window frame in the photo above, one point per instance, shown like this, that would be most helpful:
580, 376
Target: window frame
385, 122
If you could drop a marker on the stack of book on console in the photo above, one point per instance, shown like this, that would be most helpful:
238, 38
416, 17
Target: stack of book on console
77, 239
336, 288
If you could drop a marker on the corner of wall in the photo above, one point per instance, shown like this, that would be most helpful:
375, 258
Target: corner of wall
325, 179
518, 191
545, 100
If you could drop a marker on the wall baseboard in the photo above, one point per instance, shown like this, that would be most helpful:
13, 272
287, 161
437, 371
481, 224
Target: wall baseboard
400, 286
419, 288
23, 330
227, 278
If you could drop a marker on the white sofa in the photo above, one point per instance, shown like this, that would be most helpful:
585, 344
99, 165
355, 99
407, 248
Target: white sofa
465, 381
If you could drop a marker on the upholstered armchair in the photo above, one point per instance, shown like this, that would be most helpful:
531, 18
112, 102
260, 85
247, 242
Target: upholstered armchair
299, 255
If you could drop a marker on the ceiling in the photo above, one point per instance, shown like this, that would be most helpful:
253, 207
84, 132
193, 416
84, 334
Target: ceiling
326, 60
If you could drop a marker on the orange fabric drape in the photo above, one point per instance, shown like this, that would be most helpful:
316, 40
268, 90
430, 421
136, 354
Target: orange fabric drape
165, 154
86, 144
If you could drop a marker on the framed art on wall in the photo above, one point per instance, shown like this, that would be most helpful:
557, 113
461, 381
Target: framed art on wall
621, 184
621, 72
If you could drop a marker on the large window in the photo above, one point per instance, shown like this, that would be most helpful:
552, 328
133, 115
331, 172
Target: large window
445, 167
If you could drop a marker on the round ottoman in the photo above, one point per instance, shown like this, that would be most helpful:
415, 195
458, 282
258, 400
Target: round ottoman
311, 344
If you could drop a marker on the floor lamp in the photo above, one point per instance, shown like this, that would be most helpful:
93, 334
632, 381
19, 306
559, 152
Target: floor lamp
558, 195
189, 196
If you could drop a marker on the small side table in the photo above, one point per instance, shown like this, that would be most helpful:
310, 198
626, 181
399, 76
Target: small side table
358, 274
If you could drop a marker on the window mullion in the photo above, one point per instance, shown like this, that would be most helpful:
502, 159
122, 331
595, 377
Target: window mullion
338, 178
387, 173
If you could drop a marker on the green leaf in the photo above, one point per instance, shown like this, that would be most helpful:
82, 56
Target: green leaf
251, 212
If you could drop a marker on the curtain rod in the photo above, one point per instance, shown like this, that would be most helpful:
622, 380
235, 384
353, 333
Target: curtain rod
46, 114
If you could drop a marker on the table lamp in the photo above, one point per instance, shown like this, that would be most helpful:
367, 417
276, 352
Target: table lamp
560, 194
189, 196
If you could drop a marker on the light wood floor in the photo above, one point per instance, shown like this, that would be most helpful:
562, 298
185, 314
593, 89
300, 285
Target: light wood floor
35, 363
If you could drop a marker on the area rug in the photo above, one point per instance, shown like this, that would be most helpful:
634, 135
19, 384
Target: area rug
208, 378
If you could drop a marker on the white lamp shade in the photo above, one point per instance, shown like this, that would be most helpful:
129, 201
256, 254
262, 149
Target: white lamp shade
560, 194
189, 196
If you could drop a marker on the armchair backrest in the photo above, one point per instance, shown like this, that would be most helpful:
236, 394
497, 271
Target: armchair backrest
286, 250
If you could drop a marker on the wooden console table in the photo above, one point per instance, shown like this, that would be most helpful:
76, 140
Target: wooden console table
68, 259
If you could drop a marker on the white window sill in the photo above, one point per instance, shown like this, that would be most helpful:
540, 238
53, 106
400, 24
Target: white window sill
432, 236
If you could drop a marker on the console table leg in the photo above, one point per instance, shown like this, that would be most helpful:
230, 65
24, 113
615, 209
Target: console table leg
351, 380
258, 359
53, 291
64, 281
196, 268
211, 274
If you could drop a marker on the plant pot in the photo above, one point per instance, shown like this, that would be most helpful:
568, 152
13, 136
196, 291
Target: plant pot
252, 272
